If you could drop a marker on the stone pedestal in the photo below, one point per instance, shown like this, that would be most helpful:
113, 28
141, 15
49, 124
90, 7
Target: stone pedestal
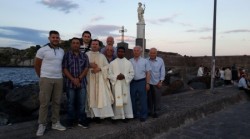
140, 40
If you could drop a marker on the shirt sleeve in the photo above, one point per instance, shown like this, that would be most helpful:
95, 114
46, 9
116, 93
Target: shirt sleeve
40, 53
163, 70
148, 67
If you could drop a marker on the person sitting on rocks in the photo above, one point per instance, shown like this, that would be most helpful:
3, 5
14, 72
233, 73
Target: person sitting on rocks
244, 84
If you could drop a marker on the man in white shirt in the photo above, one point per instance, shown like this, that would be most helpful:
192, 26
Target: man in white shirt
48, 67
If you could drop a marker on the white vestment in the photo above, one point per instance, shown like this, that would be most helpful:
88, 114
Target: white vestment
121, 88
99, 95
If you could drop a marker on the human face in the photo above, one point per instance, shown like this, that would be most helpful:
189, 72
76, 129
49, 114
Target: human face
152, 54
109, 51
75, 45
54, 39
120, 53
86, 38
137, 52
95, 46
110, 41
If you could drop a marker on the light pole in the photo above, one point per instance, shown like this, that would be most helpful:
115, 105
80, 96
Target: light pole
213, 48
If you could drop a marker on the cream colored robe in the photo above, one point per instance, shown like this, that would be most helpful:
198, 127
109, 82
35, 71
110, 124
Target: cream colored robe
121, 88
99, 95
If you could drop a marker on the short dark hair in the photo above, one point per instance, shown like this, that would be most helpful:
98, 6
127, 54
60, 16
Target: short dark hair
75, 38
53, 32
121, 47
96, 40
86, 32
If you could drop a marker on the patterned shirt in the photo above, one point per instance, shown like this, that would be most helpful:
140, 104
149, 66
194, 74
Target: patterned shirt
75, 64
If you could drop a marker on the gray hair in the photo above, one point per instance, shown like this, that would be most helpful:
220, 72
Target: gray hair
138, 47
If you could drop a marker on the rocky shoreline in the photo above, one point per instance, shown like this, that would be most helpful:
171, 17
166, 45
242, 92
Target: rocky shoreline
19, 103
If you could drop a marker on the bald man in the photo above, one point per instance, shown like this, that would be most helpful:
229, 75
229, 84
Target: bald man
110, 43
157, 75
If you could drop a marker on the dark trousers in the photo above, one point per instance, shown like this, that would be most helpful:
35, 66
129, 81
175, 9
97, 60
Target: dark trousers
138, 93
154, 99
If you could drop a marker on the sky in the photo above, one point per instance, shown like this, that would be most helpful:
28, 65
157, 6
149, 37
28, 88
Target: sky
179, 26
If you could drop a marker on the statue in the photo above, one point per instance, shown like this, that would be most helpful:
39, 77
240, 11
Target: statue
140, 11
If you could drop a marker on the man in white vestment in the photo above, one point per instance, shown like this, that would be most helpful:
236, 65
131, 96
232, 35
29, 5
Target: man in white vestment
121, 73
99, 93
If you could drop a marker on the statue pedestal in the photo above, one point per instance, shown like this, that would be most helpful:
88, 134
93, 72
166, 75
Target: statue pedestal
140, 40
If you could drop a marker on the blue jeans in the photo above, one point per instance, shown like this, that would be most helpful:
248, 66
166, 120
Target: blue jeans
138, 93
76, 98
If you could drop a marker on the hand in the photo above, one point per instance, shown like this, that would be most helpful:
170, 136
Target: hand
76, 82
159, 85
120, 77
93, 65
95, 70
147, 87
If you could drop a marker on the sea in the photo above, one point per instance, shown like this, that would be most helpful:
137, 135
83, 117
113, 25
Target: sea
19, 76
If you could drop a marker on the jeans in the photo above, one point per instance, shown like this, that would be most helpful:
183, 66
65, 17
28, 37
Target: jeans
138, 93
76, 99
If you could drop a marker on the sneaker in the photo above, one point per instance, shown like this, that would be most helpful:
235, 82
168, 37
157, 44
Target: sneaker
58, 126
83, 125
40, 130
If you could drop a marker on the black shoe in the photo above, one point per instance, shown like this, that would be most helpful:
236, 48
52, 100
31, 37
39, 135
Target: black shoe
69, 123
155, 115
125, 120
142, 119
83, 125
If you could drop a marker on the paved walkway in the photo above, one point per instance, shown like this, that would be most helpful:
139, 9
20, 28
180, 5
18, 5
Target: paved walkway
231, 123
177, 110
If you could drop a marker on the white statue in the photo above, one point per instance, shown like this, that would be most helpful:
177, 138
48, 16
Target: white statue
140, 11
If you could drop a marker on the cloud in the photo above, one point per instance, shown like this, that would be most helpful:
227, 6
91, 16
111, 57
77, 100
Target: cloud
206, 38
238, 31
102, 1
103, 30
63, 5
19, 34
97, 18
200, 30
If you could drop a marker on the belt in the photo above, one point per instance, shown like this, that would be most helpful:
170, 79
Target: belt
139, 80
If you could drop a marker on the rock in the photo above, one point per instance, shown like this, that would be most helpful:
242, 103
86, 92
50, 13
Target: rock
26, 98
200, 82
4, 118
7, 85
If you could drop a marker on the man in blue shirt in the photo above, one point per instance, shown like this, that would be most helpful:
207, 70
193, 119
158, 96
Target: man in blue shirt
140, 84
75, 68
243, 84
157, 75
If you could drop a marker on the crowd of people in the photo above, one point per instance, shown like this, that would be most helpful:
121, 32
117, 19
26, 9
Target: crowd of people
99, 83
229, 75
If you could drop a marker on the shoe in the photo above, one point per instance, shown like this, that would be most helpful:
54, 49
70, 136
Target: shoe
83, 125
58, 126
155, 115
70, 124
40, 130
125, 120
142, 119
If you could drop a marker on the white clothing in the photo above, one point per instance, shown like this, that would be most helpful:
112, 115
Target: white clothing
200, 72
99, 93
222, 74
52, 61
121, 88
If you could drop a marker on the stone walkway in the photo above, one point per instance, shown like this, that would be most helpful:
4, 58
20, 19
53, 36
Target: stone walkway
231, 123
178, 110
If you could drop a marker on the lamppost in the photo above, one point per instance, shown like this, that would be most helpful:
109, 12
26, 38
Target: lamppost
213, 48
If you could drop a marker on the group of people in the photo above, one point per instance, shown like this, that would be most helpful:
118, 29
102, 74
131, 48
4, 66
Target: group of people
230, 75
99, 83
